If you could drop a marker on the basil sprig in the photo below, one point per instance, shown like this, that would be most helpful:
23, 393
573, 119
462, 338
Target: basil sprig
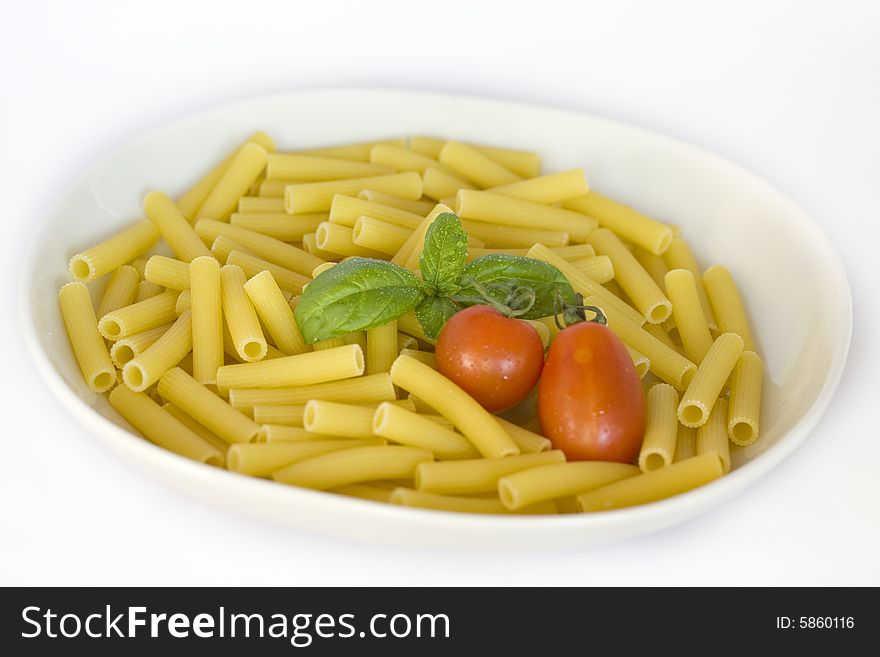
362, 293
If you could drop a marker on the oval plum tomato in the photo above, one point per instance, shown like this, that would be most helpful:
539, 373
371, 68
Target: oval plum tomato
590, 398
495, 359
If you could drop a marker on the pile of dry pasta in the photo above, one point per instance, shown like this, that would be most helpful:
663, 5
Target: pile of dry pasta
201, 353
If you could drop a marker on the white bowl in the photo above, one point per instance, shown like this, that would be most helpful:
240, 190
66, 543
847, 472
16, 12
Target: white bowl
793, 283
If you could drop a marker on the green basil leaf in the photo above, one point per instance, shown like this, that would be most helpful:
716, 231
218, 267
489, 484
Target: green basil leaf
499, 274
433, 312
443, 258
356, 294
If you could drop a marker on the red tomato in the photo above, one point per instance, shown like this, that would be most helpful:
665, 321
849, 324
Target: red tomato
495, 359
590, 398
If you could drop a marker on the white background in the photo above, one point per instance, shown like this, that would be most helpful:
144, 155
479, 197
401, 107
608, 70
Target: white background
787, 89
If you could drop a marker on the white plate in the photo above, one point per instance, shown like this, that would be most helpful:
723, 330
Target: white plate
793, 283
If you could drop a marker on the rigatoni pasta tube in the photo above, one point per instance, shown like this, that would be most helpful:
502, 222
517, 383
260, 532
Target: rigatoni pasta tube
168, 272
727, 305
412, 248
548, 189
240, 316
401, 159
525, 164
300, 370
290, 415
656, 485
121, 290
140, 316
82, 329
640, 362
439, 183
648, 233
190, 202
318, 196
346, 210
512, 236
528, 442
381, 347
359, 151
474, 165
335, 238
599, 268
260, 205
685, 443
477, 475
510, 211
281, 433
336, 419
289, 281
661, 427
704, 388
373, 388
276, 314
744, 418
475, 422
653, 264
632, 277
458, 504
174, 226
114, 252
420, 208
314, 168
198, 429
688, 314
275, 251
376, 491
162, 428
280, 225
353, 466
168, 350
131, 347
427, 357
207, 319
550, 482
148, 290
235, 182
712, 436
379, 236
408, 428
261, 459
207, 408
680, 256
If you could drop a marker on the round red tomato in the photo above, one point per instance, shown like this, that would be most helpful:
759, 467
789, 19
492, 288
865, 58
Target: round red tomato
590, 398
495, 359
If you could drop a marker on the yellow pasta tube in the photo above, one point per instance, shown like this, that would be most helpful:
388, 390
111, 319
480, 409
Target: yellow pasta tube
260, 205
406, 342
373, 388
162, 428
586, 286
235, 182
289, 281
276, 314
275, 251
528, 442
744, 418
190, 202
630, 225
240, 316
378, 236
408, 255
290, 415
640, 362
685, 443
346, 210
131, 347
262, 459
475, 422
222, 246
148, 290
318, 196
474, 165
207, 319
359, 151
430, 146
199, 430
353, 466
314, 168
408, 428
174, 226
477, 475
647, 297
280, 433
165, 352
310, 244
661, 427
439, 183
523, 163
121, 290
654, 264
510, 211
599, 268
511, 236
140, 316
139, 264
337, 419
280, 225
167, 272
727, 305
114, 252
376, 491
420, 208
549, 189
82, 329
207, 408
425, 357
704, 388
336, 238
549, 482
299, 370
458, 504
574, 252
381, 347
275, 188
680, 256
402, 159
654, 486
688, 314
712, 436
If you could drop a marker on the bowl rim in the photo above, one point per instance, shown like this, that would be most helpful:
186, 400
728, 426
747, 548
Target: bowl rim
151, 457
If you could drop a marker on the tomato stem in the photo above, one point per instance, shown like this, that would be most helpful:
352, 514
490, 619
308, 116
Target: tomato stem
518, 300
574, 313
